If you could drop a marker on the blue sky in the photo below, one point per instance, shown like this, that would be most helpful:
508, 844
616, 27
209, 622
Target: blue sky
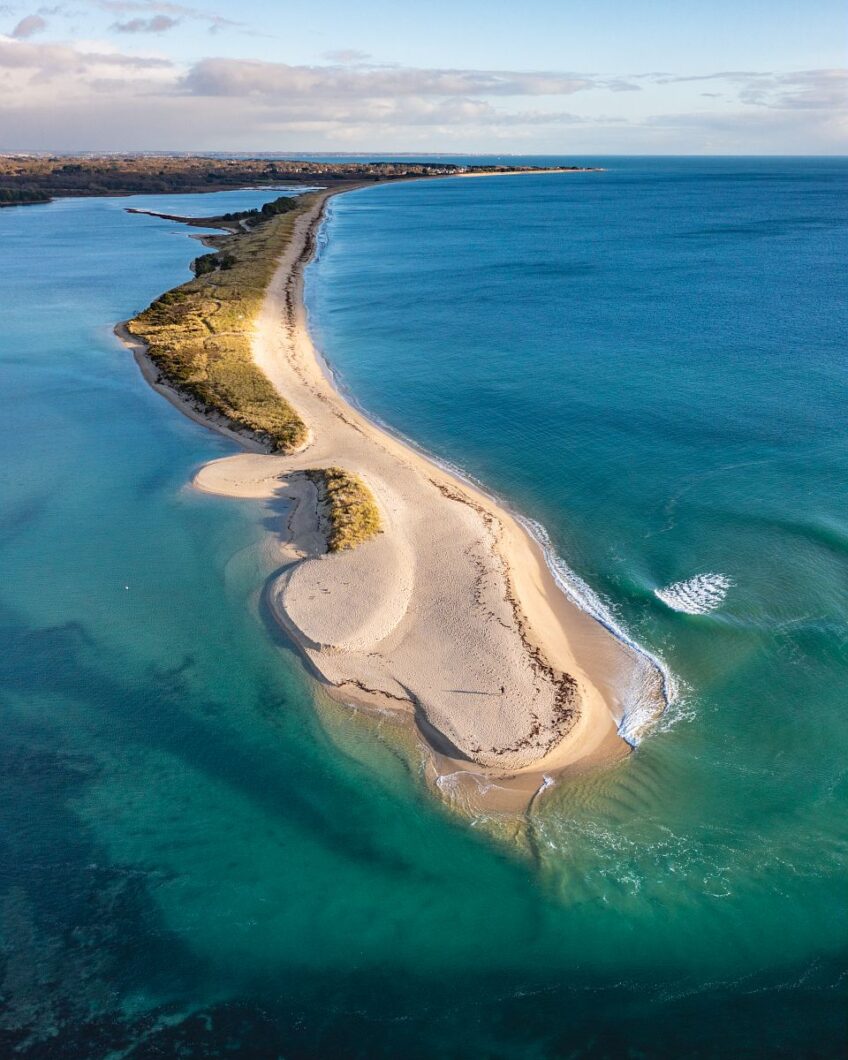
534, 77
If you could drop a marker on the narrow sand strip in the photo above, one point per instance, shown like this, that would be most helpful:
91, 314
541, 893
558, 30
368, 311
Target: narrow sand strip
451, 613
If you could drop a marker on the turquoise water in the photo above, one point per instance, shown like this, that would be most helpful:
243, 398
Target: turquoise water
192, 859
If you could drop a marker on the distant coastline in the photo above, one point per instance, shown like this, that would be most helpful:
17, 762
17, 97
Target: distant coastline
451, 615
27, 179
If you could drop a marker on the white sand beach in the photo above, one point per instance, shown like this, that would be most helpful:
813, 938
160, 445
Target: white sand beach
451, 614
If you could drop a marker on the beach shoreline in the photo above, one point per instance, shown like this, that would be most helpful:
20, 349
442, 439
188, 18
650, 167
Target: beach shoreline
456, 587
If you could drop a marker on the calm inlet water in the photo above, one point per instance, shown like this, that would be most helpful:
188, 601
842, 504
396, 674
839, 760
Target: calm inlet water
194, 861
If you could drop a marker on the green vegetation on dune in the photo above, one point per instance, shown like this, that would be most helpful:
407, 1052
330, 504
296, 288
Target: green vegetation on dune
199, 335
212, 262
199, 338
352, 511
22, 196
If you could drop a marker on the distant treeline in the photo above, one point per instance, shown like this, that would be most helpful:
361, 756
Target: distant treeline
246, 219
22, 196
145, 174
253, 217
59, 175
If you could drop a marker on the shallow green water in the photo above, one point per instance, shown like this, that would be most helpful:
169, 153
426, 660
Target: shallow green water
194, 859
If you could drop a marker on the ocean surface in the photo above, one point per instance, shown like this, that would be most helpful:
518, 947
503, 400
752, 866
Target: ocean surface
199, 859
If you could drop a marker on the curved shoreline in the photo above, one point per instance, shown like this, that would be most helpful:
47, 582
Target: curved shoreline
486, 606
631, 726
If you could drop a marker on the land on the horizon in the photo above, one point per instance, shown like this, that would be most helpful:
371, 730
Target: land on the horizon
32, 178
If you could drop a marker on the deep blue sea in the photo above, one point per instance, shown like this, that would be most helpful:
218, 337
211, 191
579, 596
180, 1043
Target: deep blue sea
198, 858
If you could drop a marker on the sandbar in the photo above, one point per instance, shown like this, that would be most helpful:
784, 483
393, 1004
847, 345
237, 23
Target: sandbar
450, 615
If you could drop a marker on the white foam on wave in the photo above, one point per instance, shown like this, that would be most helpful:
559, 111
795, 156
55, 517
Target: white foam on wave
698, 595
451, 784
639, 698
322, 236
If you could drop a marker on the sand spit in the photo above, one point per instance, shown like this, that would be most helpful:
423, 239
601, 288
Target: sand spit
450, 614
524, 172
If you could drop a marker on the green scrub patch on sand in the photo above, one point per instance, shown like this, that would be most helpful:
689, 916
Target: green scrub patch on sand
351, 509
199, 335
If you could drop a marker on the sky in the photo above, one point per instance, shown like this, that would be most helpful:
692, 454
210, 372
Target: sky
559, 77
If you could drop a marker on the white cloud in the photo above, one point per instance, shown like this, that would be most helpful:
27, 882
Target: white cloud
162, 7
156, 24
29, 26
725, 75
347, 55
806, 90
56, 59
236, 77
93, 95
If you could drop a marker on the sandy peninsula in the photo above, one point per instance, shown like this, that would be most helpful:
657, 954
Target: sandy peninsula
451, 614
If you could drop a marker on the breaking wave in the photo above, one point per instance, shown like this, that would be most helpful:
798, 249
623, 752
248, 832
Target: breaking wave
652, 687
696, 596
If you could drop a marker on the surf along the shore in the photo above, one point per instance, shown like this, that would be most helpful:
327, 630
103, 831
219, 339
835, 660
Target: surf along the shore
450, 614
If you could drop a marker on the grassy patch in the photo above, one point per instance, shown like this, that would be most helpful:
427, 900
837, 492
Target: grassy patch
353, 512
198, 335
